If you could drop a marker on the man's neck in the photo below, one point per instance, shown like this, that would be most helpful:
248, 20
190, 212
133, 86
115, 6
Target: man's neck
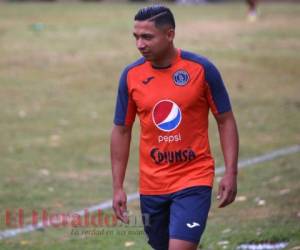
166, 59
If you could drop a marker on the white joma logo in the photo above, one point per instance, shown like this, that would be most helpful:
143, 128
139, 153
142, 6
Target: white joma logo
195, 224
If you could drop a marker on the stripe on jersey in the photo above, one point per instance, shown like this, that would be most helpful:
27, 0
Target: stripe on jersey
214, 80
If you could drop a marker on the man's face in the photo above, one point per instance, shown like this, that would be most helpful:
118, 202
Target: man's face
151, 41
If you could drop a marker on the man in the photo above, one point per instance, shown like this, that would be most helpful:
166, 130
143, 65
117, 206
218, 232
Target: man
172, 91
252, 10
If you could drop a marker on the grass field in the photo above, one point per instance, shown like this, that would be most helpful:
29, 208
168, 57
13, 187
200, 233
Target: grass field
59, 69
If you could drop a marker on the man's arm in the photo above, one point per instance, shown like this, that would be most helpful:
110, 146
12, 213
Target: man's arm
120, 145
230, 146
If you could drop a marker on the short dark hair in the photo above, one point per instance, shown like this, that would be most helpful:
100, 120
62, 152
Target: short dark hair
159, 14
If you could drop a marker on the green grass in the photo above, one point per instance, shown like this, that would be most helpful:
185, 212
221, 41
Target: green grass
57, 91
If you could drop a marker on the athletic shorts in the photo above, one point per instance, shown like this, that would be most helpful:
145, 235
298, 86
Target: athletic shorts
181, 215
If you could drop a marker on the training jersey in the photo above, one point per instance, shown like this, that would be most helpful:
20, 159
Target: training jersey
172, 104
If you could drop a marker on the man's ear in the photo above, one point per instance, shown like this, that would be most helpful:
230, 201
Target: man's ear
170, 34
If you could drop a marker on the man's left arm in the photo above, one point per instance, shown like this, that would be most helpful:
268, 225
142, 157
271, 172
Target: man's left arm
230, 147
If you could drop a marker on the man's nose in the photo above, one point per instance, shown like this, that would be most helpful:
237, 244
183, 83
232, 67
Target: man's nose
140, 44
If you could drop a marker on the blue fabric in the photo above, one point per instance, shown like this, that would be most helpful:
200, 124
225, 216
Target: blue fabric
122, 98
214, 80
180, 215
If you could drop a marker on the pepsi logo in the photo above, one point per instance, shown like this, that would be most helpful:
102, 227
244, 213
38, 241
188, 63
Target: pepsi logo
166, 115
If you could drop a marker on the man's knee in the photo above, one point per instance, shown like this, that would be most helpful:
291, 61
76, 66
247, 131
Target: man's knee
176, 244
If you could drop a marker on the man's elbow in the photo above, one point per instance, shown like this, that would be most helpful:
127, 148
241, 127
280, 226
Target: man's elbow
225, 118
121, 130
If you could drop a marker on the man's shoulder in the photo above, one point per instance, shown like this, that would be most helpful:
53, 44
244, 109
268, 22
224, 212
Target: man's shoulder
197, 58
124, 74
134, 64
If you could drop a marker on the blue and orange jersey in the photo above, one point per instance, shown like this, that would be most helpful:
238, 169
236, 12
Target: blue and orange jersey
173, 105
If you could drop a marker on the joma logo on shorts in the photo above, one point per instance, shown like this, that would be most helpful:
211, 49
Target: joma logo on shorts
195, 224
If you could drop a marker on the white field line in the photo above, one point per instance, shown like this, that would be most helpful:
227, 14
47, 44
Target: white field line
259, 246
262, 158
134, 196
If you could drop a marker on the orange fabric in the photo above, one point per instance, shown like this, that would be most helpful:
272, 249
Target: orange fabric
180, 158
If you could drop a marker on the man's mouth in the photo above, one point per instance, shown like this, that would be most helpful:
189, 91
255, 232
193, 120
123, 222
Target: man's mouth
145, 53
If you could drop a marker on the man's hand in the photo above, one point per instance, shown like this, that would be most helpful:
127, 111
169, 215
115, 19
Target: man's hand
229, 139
227, 190
120, 205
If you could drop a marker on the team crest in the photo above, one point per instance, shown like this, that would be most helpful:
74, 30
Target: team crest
181, 77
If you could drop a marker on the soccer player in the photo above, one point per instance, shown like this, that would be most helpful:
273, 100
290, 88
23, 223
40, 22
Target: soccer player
252, 10
171, 91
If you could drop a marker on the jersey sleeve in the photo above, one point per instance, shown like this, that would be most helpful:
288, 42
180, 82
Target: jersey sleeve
125, 110
217, 95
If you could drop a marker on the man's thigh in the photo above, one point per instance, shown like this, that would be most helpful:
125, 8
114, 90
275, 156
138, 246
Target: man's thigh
188, 213
156, 218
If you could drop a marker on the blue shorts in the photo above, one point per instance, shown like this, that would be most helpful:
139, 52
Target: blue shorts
181, 215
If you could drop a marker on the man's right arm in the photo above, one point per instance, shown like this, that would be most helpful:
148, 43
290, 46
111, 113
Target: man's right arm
120, 146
